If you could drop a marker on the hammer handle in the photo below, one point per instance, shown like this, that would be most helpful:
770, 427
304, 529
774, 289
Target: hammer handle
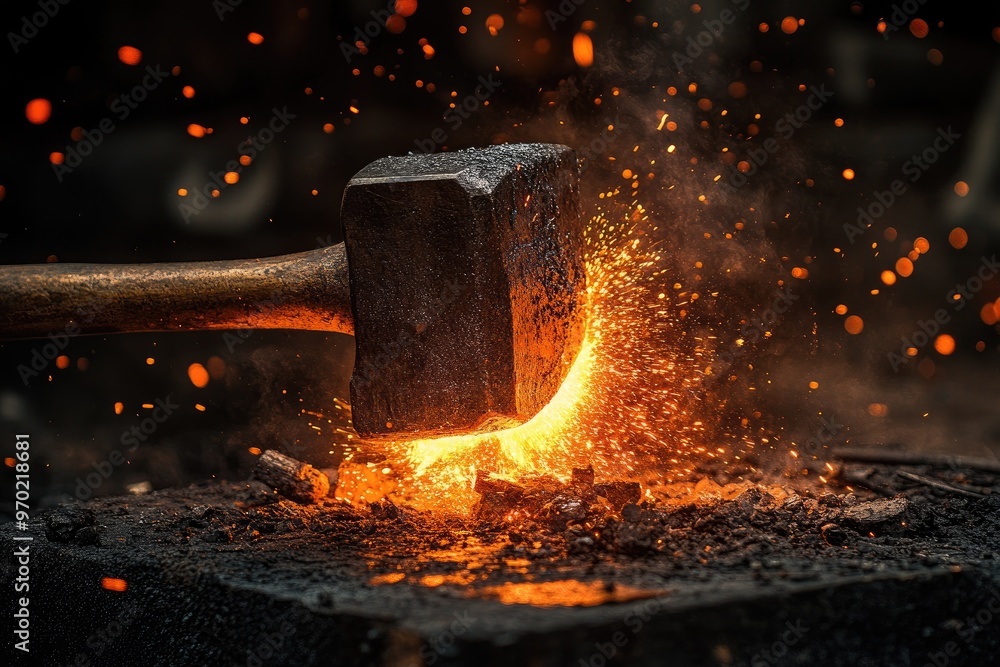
307, 290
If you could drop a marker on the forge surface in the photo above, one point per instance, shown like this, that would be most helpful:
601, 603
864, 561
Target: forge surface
218, 573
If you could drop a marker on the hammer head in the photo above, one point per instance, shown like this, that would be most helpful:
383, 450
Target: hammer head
467, 284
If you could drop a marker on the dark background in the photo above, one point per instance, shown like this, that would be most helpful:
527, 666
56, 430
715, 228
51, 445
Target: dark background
277, 389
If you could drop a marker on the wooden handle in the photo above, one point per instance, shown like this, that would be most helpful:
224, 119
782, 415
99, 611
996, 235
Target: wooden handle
307, 290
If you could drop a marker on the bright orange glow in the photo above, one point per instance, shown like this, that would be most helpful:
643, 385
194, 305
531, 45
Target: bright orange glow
56, 157
888, 277
196, 131
904, 267
198, 375
961, 188
150, 361
62, 362
254, 450
800, 272
848, 174
625, 406
841, 309
119, 407
789, 25
182, 192
989, 314
231, 177
112, 584
878, 409
406, 7
944, 344
583, 49
958, 238
494, 23
919, 28
921, 245
564, 593
38, 111
130, 55
854, 325
255, 38
188, 91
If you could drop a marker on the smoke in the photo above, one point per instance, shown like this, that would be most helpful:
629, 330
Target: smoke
658, 149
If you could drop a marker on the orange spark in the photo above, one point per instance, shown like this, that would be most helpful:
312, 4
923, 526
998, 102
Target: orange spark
583, 49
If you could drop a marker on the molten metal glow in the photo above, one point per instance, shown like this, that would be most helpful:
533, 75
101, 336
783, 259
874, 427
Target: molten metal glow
624, 405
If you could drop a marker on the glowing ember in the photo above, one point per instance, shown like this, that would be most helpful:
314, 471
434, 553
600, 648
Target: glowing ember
38, 111
567, 593
621, 408
130, 55
198, 375
112, 584
583, 49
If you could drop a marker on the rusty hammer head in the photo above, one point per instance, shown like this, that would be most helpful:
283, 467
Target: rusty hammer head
467, 286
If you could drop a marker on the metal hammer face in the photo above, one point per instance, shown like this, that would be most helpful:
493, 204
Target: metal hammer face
467, 286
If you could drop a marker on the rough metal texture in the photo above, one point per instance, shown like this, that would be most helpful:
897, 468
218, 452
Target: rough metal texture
487, 316
307, 290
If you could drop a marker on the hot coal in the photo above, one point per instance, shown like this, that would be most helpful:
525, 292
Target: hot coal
215, 567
